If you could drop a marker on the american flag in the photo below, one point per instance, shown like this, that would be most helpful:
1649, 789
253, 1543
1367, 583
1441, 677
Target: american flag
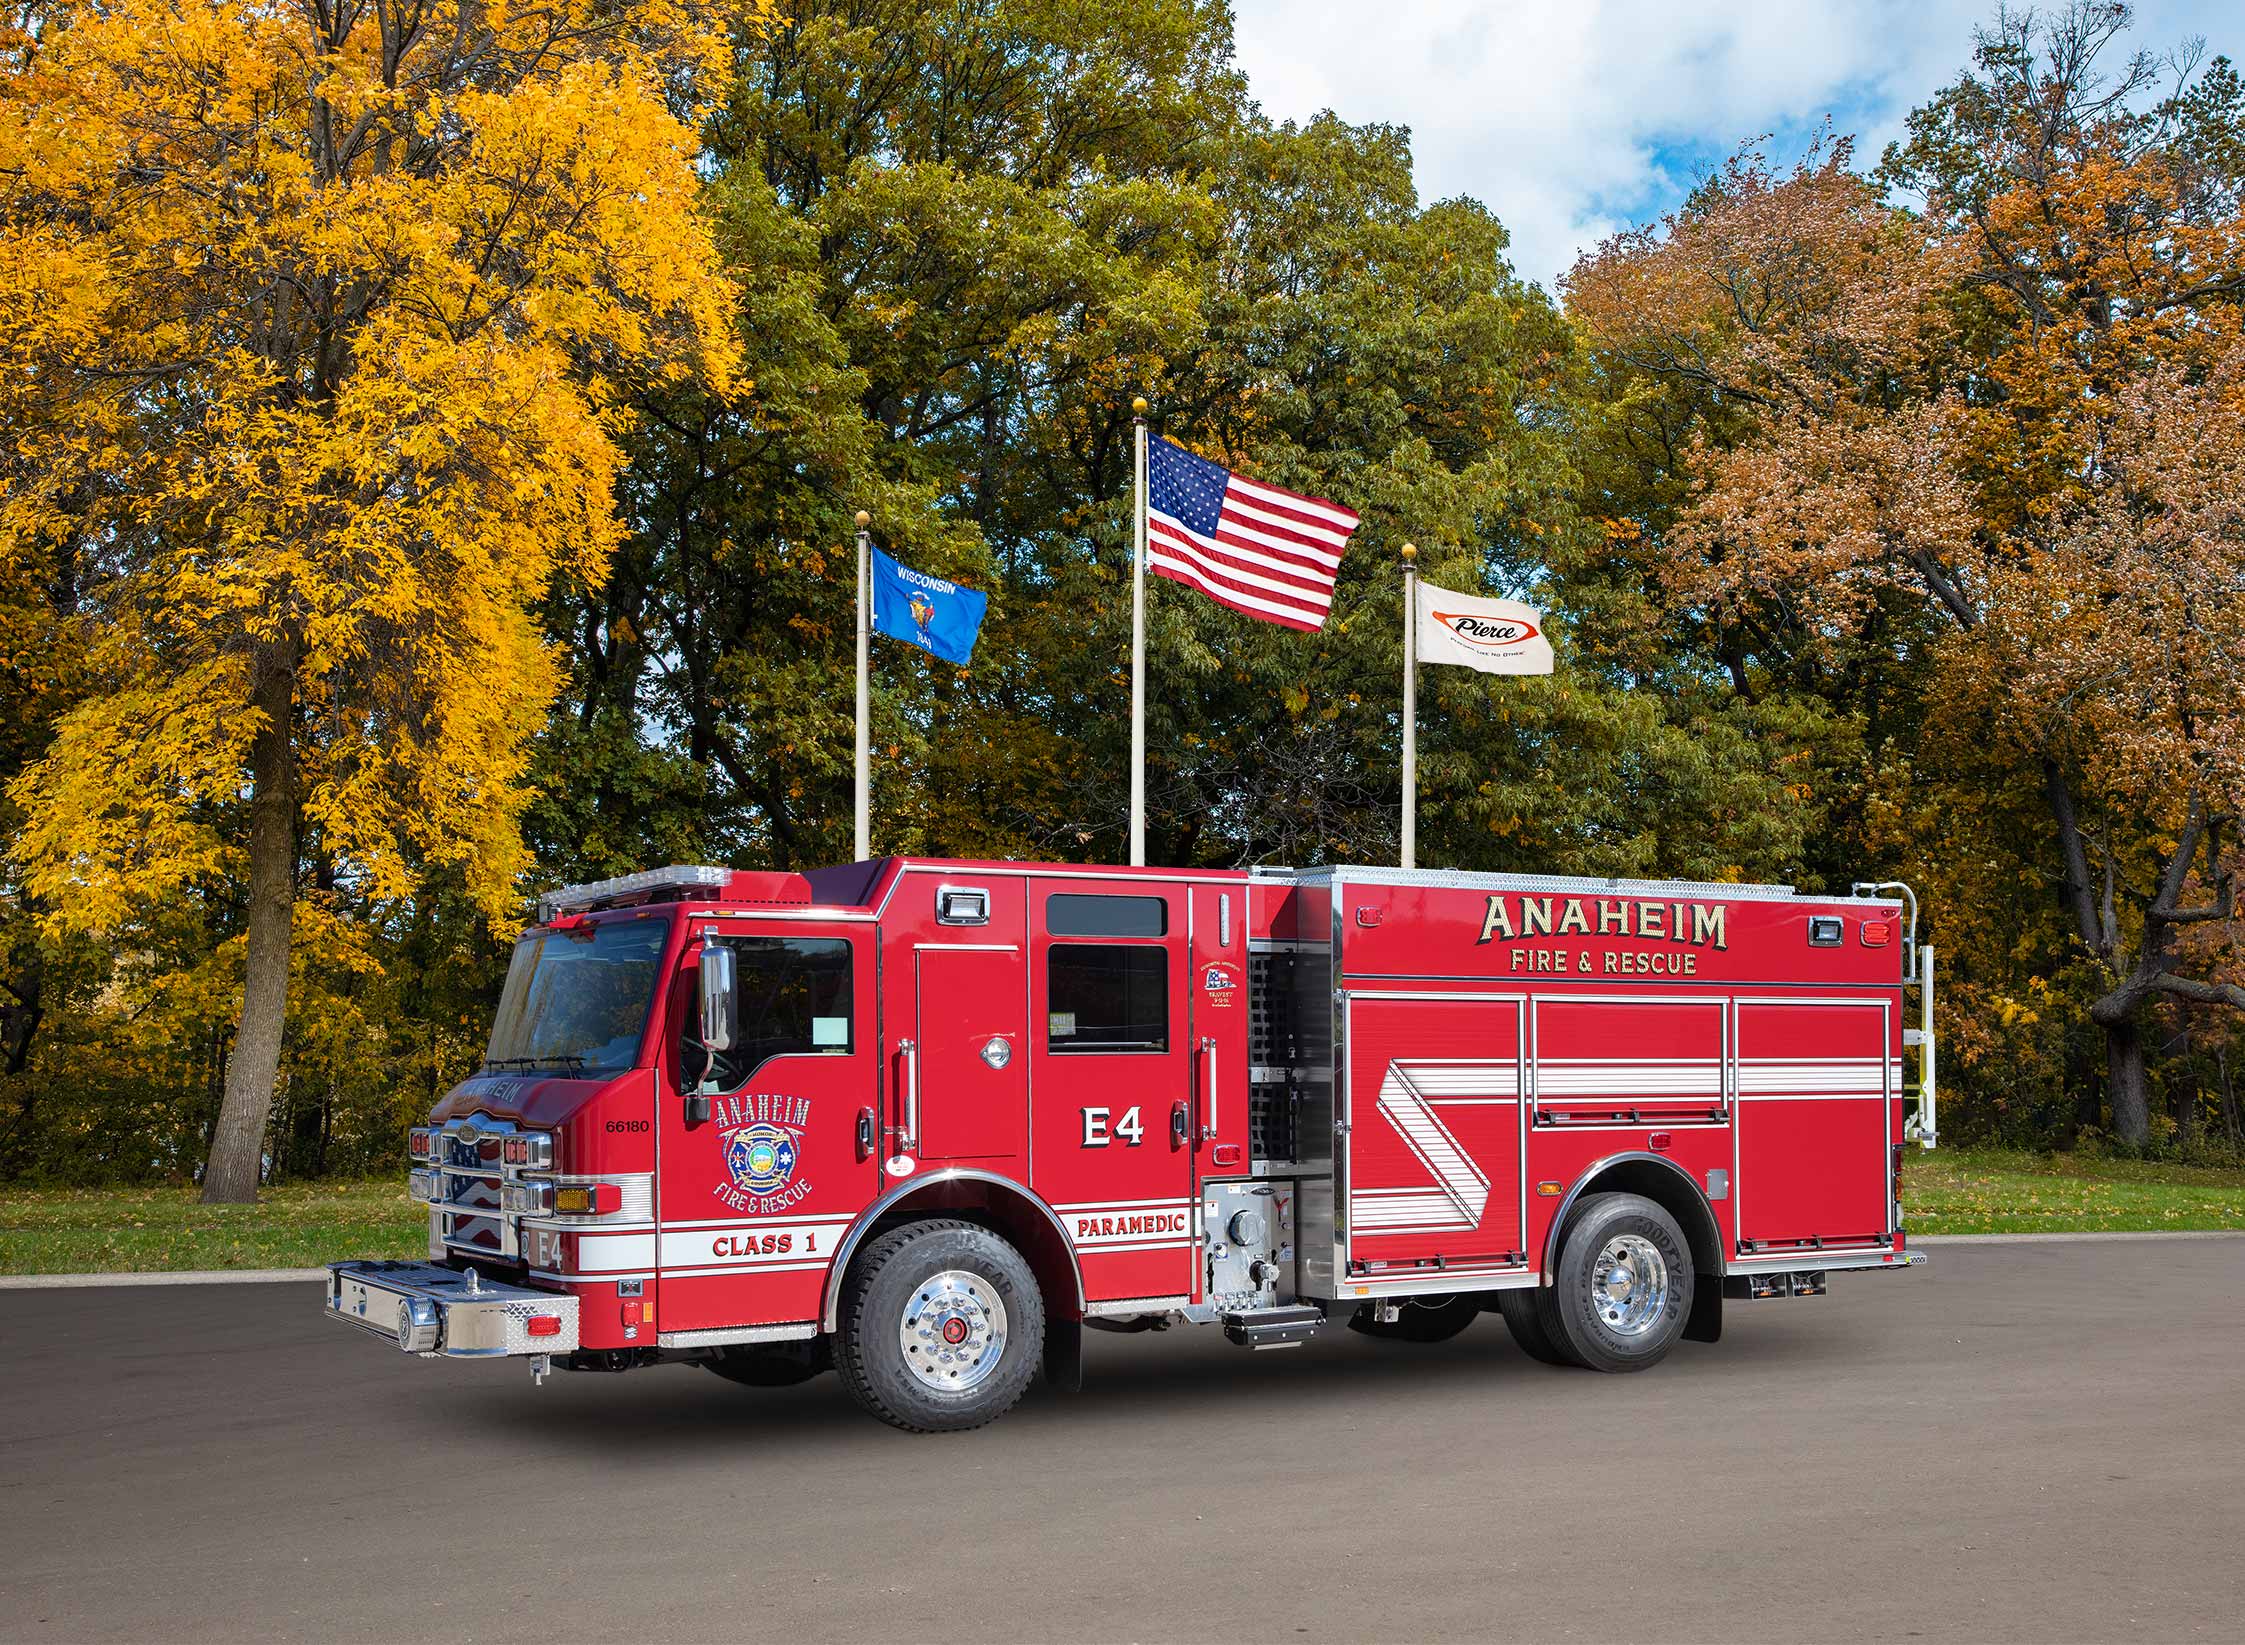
1272, 554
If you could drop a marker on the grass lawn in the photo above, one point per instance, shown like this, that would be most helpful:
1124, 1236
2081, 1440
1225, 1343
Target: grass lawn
114, 1230
1948, 1191
1976, 1191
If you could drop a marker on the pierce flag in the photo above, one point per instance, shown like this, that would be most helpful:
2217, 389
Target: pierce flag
1494, 636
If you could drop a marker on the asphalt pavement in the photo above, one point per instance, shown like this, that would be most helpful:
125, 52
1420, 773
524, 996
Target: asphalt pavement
2017, 1442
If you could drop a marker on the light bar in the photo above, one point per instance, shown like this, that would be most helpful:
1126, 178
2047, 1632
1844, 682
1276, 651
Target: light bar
679, 877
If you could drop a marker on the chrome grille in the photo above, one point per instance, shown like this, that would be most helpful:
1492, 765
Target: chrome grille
474, 1219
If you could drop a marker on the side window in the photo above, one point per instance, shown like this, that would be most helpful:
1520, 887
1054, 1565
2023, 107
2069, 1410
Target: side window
1101, 914
795, 1000
1106, 997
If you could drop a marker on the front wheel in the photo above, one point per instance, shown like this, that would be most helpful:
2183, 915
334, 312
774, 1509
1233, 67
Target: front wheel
1622, 1291
942, 1327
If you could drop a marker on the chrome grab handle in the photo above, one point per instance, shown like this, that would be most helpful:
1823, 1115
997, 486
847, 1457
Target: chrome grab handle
911, 1055
1208, 1127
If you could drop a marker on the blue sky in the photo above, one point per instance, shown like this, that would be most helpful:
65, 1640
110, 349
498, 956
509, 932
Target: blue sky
1574, 118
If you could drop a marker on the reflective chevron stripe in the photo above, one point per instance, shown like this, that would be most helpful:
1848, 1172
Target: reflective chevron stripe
1460, 1191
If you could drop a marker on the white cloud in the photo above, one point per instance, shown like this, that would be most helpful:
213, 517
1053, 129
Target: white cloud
1569, 120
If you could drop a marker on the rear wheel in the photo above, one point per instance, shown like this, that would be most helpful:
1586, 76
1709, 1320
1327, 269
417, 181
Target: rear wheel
1419, 1319
1523, 1309
1623, 1289
942, 1327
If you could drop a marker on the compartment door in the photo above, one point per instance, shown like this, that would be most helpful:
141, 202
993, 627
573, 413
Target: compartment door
1432, 1151
971, 1068
1813, 1124
1614, 1061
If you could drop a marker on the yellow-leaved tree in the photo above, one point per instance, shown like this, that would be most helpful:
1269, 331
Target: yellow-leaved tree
318, 320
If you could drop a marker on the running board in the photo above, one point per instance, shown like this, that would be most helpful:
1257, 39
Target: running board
1273, 1327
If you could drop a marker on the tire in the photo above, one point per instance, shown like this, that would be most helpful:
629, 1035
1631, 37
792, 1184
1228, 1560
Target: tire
924, 1282
780, 1365
1623, 1288
1524, 1318
1423, 1319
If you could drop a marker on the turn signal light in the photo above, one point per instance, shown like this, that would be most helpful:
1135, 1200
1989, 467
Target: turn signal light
587, 1199
543, 1325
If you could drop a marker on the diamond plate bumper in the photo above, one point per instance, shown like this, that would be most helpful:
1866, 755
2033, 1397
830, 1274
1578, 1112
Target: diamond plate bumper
442, 1312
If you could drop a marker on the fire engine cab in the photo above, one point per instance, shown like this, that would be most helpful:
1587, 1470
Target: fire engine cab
922, 1122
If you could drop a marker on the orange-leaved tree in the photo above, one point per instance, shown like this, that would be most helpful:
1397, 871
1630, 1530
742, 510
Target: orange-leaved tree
319, 320
2018, 411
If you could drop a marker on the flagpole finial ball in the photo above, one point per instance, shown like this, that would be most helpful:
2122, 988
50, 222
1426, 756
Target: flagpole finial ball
1138, 406
1409, 553
863, 519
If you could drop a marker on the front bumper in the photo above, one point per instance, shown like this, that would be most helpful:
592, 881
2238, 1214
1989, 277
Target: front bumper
443, 1312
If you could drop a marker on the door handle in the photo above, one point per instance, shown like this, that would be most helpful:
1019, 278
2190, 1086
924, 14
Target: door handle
1179, 1125
864, 1133
1208, 1113
911, 1055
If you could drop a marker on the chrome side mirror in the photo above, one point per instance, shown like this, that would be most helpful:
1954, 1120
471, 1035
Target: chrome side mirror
720, 1002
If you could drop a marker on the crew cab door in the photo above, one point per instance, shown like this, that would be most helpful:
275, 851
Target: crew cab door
1114, 1117
753, 1199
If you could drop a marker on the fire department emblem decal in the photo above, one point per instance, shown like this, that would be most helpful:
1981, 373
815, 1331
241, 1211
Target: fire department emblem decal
760, 1158
760, 1145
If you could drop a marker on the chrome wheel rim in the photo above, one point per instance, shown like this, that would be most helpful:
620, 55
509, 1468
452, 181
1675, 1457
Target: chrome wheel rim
953, 1332
1629, 1285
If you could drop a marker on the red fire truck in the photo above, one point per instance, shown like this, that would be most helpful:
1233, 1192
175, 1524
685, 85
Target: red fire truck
922, 1122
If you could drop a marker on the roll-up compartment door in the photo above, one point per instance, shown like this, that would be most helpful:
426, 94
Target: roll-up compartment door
1605, 1061
1814, 1122
1433, 1142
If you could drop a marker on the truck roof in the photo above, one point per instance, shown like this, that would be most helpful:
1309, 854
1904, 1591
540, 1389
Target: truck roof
864, 885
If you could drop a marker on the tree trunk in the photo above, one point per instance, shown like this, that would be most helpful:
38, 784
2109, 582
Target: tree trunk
2124, 1082
2229, 1097
237, 1146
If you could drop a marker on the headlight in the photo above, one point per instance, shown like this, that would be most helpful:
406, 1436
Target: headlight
527, 1199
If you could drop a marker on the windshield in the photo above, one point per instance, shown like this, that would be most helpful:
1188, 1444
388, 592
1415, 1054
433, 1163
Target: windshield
576, 1001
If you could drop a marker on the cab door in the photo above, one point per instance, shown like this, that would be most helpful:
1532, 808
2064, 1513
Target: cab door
1114, 1118
754, 1197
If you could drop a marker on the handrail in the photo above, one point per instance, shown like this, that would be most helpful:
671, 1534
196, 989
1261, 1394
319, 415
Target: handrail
911, 1138
1208, 1119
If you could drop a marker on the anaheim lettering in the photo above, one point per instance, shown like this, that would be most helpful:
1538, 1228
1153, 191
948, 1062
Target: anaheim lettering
1698, 924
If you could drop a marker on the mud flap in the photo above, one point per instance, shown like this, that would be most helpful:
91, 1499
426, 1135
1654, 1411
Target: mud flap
1706, 1322
1064, 1355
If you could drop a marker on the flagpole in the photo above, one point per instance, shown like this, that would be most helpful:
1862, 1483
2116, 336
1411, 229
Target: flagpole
864, 628
1138, 642
1410, 707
